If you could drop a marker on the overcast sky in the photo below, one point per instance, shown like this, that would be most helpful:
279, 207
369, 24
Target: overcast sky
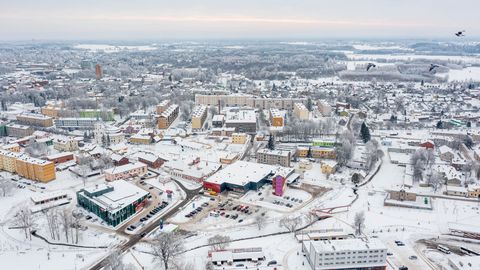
206, 19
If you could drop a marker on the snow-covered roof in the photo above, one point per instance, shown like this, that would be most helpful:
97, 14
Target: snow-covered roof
125, 168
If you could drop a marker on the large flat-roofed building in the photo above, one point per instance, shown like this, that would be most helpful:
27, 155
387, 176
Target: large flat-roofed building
243, 100
167, 117
243, 176
34, 119
359, 254
242, 121
75, 123
114, 202
199, 115
274, 157
19, 131
126, 171
300, 111
276, 118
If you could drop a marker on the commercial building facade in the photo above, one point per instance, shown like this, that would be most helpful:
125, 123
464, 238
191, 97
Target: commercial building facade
75, 123
242, 121
113, 202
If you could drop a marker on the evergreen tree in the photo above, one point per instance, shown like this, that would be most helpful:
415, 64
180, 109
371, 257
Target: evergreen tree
271, 143
440, 124
309, 104
365, 133
469, 124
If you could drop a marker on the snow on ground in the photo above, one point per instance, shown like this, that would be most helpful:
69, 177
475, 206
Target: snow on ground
265, 198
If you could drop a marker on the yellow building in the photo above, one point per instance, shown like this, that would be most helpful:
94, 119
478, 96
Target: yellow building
321, 152
276, 118
34, 119
140, 139
328, 167
473, 191
35, 169
51, 111
300, 111
13, 147
27, 167
199, 115
7, 161
302, 151
239, 138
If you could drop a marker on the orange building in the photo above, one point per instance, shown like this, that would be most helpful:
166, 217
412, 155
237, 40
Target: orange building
98, 71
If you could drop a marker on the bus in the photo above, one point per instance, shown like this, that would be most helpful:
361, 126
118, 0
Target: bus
468, 251
443, 249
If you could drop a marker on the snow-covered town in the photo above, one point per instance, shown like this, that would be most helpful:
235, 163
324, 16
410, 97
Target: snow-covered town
252, 154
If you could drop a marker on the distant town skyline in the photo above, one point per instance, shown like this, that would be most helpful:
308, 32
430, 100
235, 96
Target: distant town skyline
214, 19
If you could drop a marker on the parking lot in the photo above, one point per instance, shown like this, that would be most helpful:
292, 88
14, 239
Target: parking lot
291, 199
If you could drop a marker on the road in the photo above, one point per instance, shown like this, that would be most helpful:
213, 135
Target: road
152, 225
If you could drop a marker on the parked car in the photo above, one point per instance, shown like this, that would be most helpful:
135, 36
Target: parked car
271, 263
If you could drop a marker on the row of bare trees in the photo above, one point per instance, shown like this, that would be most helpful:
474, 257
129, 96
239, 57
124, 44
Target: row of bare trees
59, 223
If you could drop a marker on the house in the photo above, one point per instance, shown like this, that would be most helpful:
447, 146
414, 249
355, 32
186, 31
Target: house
446, 153
455, 191
328, 166
119, 160
151, 160
427, 144
125, 171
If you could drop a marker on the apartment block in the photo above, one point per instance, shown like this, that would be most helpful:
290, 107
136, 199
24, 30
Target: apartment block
241, 100
274, 157
300, 111
19, 131
65, 144
199, 115
359, 254
26, 166
167, 117
34, 119
276, 118
163, 106
75, 123
239, 138
242, 121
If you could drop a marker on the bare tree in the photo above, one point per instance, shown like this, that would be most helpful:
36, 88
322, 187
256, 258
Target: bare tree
359, 222
291, 223
24, 220
209, 266
114, 262
51, 215
66, 221
219, 242
6, 186
434, 179
166, 247
261, 221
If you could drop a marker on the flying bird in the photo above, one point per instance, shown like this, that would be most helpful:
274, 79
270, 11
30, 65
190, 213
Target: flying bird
460, 33
433, 67
370, 65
